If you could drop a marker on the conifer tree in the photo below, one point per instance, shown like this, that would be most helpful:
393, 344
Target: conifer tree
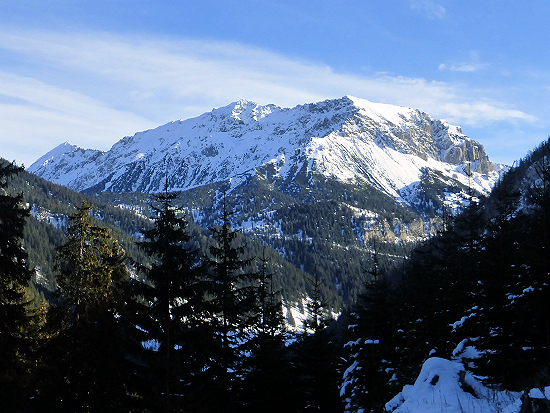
436, 292
169, 311
267, 366
515, 351
370, 343
91, 271
233, 302
86, 368
502, 258
272, 323
534, 297
16, 357
441, 279
317, 358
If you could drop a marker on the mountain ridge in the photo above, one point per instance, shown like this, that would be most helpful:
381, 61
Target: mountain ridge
348, 139
320, 183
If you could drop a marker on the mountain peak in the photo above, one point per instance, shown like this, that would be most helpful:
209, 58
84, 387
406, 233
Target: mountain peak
348, 139
244, 111
61, 164
382, 112
59, 150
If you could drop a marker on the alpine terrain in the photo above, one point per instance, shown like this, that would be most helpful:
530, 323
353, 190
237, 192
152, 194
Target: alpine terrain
249, 228
317, 182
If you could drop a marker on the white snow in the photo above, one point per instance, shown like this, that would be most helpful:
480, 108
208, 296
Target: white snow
349, 139
540, 393
444, 386
59, 150
382, 112
59, 221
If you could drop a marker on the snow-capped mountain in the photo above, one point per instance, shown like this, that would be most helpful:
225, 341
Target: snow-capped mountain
348, 139
316, 182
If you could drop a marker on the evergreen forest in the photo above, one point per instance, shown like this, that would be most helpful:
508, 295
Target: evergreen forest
176, 319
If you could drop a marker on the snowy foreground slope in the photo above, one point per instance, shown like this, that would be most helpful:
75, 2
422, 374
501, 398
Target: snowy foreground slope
348, 139
444, 386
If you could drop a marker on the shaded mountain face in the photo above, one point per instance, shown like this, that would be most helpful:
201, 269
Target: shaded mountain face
316, 182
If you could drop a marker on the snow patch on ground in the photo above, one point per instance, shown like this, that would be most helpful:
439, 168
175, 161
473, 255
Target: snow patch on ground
59, 221
444, 386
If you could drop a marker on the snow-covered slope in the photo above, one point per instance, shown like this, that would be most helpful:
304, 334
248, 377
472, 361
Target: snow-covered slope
348, 139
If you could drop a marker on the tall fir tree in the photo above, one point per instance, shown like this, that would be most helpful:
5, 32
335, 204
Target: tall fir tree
370, 343
535, 282
86, 366
233, 292
502, 257
272, 322
440, 281
169, 312
516, 352
267, 386
16, 356
317, 357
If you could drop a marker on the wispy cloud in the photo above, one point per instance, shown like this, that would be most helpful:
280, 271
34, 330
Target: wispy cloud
463, 67
93, 88
35, 116
472, 64
478, 111
430, 9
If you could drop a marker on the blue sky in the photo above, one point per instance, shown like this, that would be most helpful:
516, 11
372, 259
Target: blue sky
91, 72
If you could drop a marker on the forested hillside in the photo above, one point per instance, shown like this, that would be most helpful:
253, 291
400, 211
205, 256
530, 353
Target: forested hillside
128, 216
50, 206
478, 292
192, 327
188, 320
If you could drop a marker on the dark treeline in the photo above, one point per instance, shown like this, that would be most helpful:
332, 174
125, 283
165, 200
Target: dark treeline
183, 322
483, 282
